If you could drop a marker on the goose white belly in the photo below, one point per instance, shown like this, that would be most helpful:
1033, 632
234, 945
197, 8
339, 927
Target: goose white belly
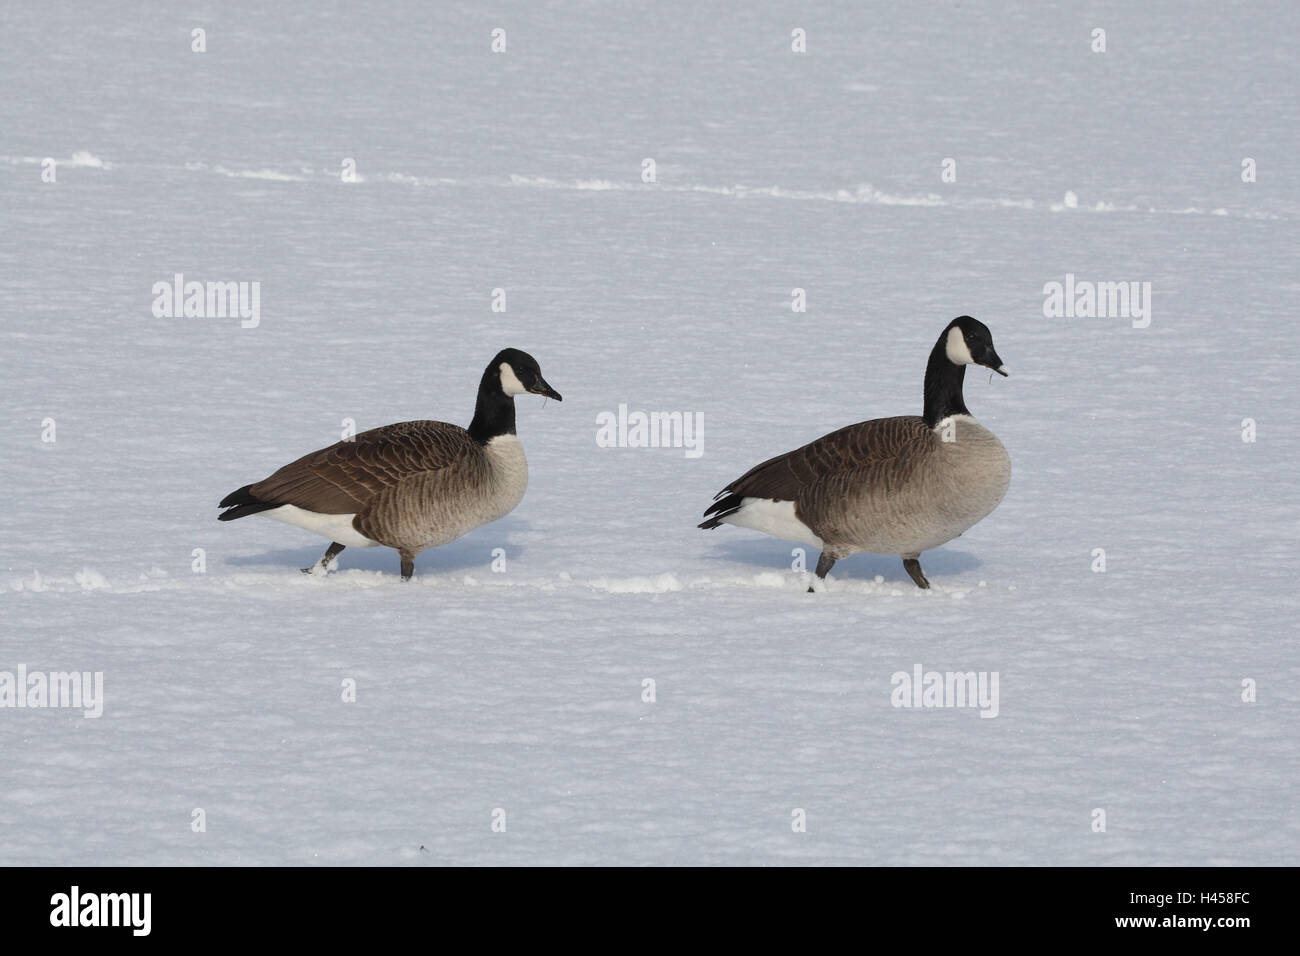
335, 527
773, 517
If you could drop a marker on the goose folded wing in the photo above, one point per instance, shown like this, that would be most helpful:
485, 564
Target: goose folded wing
867, 451
345, 477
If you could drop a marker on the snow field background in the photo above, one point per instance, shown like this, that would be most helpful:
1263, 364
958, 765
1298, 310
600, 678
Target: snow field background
522, 690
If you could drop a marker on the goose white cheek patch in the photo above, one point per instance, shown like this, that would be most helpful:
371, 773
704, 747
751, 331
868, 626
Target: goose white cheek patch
958, 352
510, 383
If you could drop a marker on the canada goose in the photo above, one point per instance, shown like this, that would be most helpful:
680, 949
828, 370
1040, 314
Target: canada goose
410, 486
889, 486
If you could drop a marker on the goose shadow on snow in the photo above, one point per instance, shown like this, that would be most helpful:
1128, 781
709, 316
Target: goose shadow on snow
470, 552
939, 564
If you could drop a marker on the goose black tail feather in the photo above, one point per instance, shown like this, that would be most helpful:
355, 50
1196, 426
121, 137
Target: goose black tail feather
721, 509
241, 504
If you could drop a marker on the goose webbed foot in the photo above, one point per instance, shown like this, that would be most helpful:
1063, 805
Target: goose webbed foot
408, 566
323, 565
913, 568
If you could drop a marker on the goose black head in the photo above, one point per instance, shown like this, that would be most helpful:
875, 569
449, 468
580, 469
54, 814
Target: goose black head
519, 374
968, 341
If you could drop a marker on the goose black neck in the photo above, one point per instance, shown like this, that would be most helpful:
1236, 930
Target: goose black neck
494, 412
943, 381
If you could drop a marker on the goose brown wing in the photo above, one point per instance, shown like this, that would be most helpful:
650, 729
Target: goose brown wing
820, 476
345, 477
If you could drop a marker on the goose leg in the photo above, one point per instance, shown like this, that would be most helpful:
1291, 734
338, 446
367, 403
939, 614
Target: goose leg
408, 565
824, 565
913, 568
330, 554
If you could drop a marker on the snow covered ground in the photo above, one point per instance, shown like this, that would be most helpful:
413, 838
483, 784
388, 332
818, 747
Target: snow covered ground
521, 691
